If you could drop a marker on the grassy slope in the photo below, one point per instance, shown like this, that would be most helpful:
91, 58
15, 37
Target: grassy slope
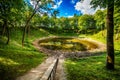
93, 68
15, 60
102, 38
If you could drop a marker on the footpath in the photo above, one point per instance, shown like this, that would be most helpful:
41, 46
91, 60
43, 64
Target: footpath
39, 71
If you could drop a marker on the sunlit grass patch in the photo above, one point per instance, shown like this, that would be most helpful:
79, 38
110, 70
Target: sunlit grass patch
16, 60
7, 61
14, 63
88, 44
91, 68
101, 36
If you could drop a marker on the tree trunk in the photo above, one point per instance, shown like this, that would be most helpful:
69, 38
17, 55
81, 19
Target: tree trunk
110, 32
26, 26
4, 27
8, 35
27, 22
6, 30
28, 31
23, 37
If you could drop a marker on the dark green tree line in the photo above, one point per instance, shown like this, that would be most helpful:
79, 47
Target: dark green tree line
9, 11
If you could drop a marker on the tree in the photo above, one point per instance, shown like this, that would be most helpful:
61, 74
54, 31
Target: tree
110, 33
86, 22
8, 11
55, 13
117, 21
45, 21
39, 6
110, 29
99, 16
73, 22
66, 24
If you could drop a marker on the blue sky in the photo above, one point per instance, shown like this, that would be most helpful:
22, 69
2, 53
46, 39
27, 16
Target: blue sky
68, 8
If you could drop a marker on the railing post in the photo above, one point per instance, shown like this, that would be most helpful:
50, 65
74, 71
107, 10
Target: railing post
50, 73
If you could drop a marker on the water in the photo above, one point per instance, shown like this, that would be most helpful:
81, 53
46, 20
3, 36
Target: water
66, 44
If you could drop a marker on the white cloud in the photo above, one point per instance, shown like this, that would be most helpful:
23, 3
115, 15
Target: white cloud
70, 16
85, 7
33, 3
72, 1
58, 3
55, 7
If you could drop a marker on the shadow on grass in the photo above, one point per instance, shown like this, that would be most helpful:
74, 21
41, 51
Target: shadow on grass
117, 52
13, 63
92, 68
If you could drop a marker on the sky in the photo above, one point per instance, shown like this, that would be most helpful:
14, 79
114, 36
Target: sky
68, 8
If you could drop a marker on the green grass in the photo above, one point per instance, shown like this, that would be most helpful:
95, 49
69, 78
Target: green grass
16, 60
101, 36
14, 63
66, 34
92, 68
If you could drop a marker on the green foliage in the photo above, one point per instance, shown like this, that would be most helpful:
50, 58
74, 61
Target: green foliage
86, 22
100, 17
100, 3
9, 10
59, 25
117, 21
55, 13
16, 60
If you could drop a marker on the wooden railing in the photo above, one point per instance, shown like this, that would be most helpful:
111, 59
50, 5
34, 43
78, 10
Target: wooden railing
51, 71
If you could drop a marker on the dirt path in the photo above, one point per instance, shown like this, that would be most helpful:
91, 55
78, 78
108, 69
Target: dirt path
60, 72
37, 73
